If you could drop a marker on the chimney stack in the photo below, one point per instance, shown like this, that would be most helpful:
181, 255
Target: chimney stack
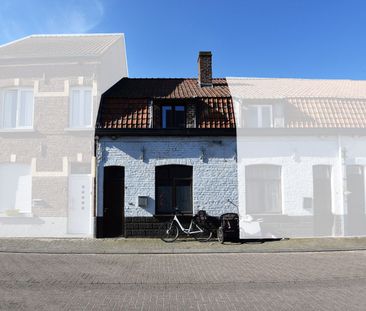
205, 68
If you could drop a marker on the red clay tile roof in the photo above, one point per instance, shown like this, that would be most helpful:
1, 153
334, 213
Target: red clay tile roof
125, 105
216, 113
325, 113
167, 88
126, 113
49, 46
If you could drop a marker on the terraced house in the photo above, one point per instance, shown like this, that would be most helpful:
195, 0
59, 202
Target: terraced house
162, 144
50, 89
287, 154
301, 156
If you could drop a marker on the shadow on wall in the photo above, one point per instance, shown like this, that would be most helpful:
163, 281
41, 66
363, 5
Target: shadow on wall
175, 148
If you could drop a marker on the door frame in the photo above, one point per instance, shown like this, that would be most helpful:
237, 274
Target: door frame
102, 231
173, 185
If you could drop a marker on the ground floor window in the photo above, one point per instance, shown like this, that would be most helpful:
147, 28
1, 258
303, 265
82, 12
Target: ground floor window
173, 189
263, 189
15, 189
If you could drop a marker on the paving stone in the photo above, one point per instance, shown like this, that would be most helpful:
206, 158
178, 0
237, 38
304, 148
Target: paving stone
282, 281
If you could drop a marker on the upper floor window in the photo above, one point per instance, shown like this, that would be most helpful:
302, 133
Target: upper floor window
259, 116
16, 111
81, 107
173, 116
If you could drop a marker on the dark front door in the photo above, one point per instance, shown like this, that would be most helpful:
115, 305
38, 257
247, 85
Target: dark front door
356, 224
113, 201
322, 192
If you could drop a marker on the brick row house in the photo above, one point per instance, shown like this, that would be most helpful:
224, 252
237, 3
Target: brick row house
301, 156
50, 89
164, 144
287, 154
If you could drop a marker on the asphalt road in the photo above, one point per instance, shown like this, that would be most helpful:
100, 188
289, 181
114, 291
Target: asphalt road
293, 281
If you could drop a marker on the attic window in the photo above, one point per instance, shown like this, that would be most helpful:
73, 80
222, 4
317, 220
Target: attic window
173, 116
259, 116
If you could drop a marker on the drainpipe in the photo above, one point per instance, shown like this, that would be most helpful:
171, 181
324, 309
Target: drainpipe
95, 197
343, 179
150, 106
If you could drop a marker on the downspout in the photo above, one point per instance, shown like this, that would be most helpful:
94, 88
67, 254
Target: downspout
150, 107
95, 197
342, 172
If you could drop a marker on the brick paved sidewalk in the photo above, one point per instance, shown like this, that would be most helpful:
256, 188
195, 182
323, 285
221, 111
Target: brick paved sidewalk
331, 281
156, 246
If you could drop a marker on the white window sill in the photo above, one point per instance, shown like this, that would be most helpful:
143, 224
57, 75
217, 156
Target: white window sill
16, 130
79, 129
259, 127
19, 214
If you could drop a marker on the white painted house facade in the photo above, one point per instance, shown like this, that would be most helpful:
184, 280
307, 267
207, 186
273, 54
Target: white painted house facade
172, 144
313, 140
287, 154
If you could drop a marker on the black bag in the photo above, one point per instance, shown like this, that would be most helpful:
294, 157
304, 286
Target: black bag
229, 227
229, 222
201, 217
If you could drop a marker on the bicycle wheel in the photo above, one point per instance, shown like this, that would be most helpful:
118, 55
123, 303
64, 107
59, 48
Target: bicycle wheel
203, 236
169, 232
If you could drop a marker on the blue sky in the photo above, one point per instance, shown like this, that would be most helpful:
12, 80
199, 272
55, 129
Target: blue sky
252, 38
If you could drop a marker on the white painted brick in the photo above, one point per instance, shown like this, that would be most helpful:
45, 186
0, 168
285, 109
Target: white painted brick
214, 178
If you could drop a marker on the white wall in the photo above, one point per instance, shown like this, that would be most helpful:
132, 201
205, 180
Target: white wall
296, 156
214, 174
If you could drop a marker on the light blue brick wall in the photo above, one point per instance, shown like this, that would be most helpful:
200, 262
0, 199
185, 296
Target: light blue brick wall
214, 169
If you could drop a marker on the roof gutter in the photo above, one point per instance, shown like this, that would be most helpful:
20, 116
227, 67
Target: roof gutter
166, 132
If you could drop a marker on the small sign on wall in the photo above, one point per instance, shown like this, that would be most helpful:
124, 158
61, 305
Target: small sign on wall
142, 201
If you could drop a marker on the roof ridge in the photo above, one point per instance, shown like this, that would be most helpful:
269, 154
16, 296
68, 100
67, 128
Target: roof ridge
296, 79
162, 78
14, 41
101, 34
91, 44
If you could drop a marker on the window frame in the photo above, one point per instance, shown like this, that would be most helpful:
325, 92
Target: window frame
259, 120
82, 91
17, 127
280, 184
173, 107
173, 181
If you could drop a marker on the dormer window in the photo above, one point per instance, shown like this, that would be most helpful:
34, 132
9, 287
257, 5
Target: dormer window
173, 116
259, 116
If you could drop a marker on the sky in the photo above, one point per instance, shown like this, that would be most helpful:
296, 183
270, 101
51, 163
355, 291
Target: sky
249, 38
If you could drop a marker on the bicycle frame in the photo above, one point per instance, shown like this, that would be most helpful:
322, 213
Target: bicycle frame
187, 230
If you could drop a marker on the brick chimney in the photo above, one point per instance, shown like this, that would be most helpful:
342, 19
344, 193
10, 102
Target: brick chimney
205, 68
